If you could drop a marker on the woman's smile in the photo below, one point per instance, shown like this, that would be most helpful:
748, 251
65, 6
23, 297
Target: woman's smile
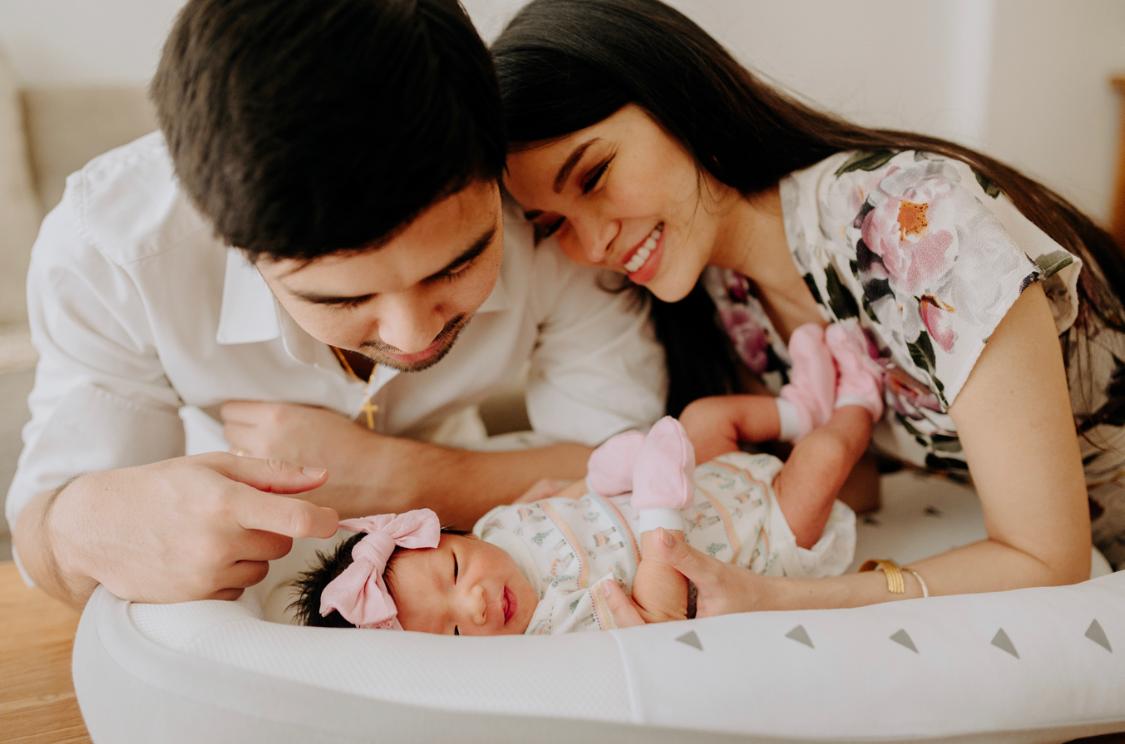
643, 261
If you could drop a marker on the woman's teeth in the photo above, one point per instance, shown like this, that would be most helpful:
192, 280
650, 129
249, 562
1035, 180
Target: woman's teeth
639, 258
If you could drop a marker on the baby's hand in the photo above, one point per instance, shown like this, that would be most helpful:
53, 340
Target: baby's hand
660, 591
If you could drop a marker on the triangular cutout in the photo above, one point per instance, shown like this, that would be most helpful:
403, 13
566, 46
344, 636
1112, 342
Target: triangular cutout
1097, 635
1004, 643
690, 639
800, 635
902, 638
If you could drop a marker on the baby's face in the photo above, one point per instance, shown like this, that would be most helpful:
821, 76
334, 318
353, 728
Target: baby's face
464, 586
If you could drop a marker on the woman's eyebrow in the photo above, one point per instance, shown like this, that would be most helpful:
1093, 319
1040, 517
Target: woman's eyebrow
571, 161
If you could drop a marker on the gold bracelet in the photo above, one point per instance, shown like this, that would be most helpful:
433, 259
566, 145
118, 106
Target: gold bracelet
895, 583
921, 581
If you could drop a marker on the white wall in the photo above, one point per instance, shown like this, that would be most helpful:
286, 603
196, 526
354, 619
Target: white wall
1023, 79
84, 42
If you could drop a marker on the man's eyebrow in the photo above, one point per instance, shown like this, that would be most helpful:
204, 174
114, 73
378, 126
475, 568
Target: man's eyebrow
571, 161
478, 247
323, 299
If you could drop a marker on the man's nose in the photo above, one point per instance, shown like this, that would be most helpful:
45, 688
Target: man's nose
410, 324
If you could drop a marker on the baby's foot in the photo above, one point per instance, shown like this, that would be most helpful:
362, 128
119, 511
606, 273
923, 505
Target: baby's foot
811, 391
860, 376
609, 471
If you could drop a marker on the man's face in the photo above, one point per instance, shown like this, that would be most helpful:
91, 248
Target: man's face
401, 304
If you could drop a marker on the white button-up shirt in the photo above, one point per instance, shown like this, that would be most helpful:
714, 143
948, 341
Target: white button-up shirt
144, 321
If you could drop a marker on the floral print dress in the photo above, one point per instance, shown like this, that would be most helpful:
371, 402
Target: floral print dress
928, 256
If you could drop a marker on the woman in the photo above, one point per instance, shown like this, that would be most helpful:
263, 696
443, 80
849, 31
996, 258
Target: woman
647, 149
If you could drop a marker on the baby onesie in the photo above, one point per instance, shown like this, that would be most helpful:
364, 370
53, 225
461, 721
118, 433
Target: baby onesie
567, 547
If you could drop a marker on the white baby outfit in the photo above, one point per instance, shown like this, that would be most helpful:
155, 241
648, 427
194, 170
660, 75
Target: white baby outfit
566, 547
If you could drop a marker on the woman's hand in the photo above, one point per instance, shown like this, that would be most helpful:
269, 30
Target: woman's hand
623, 611
721, 588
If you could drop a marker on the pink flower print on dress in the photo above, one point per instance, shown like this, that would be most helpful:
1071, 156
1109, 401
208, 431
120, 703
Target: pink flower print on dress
936, 316
910, 231
747, 336
909, 398
738, 289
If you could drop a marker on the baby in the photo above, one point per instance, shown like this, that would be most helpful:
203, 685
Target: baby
539, 567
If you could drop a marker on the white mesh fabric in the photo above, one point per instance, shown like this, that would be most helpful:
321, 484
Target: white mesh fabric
650, 675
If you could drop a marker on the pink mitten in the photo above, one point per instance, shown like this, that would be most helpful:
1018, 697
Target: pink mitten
812, 381
861, 377
609, 471
662, 478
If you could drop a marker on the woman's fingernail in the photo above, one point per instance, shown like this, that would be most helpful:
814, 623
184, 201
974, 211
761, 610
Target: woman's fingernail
666, 537
314, 472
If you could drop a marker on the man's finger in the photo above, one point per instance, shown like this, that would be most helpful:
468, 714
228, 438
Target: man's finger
622, 611
239, 411
243, 574
283, 515
259, 545
270, 475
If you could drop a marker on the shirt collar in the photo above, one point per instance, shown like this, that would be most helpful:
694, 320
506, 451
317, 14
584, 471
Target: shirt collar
249, 313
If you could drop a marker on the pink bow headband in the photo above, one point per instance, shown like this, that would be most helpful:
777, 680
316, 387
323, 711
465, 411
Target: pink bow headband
359, 593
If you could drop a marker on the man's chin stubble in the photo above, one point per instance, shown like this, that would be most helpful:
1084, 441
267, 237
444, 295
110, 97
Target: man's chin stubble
380, 357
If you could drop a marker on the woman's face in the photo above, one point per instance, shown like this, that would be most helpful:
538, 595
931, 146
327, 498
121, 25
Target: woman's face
625, 196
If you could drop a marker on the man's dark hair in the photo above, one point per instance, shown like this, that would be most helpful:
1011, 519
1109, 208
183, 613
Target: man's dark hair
303, 128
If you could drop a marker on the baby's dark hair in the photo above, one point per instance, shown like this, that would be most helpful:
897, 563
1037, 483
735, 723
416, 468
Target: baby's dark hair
310, 584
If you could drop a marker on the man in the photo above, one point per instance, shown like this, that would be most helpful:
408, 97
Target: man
317, 224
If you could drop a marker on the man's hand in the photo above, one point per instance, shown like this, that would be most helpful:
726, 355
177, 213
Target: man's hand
553, 488
200, 527
309, 435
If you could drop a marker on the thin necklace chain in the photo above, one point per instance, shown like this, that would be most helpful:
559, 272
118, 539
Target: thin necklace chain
369, 409
347, 366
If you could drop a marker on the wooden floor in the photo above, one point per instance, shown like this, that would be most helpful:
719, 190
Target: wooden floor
37, 704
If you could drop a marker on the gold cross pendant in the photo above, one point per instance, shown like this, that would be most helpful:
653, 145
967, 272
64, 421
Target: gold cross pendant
369, 409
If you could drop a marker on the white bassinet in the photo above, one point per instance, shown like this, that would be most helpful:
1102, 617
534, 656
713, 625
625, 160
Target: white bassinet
1029, 665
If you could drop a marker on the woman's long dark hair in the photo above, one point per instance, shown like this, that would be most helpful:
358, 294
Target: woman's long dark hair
564, 65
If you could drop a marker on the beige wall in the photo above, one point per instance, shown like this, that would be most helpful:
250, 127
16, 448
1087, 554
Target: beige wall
1051, 105
1024, 79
